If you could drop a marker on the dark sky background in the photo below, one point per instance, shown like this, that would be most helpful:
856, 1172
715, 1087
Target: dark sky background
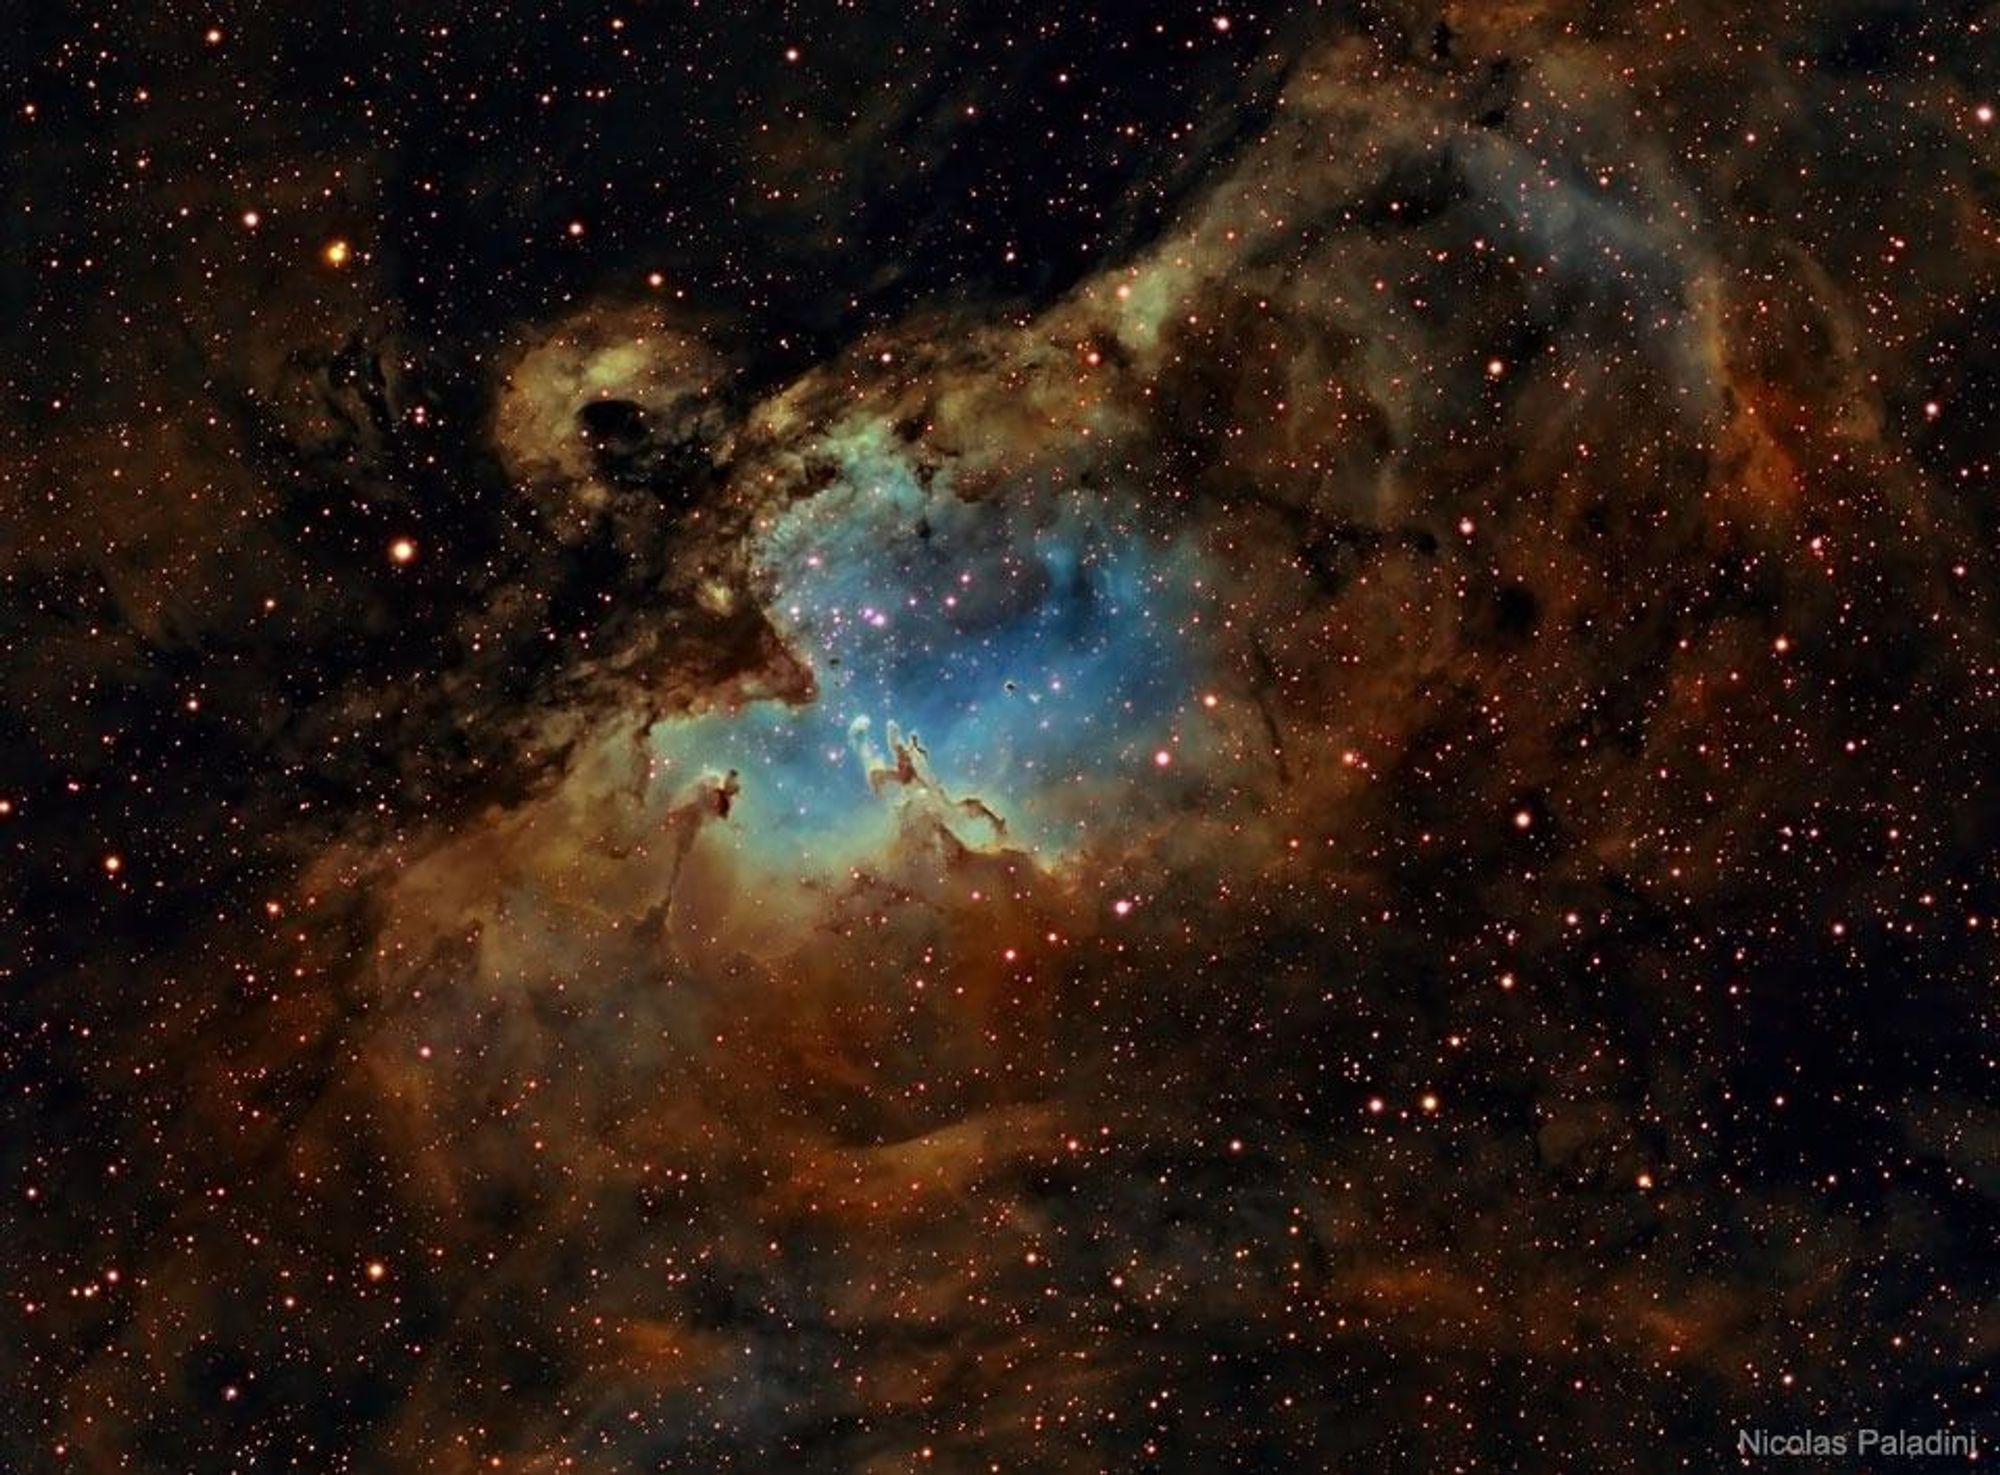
994, 737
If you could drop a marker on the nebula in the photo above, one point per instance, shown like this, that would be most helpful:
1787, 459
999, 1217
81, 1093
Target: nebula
1032, 644
998, 739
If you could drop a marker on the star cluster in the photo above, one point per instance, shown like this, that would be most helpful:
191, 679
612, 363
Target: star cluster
997, 737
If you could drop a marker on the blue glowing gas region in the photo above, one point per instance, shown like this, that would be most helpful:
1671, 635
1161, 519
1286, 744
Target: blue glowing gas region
1016, 645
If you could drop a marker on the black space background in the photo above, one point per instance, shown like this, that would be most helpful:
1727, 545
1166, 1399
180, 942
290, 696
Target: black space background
207, 442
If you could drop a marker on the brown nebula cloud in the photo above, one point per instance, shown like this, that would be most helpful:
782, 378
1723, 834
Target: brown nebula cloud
1447, 926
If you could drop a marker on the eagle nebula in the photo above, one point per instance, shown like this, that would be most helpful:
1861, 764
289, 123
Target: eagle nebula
999, 738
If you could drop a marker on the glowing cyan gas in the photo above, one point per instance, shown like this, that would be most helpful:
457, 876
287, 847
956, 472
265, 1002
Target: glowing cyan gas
1020, 651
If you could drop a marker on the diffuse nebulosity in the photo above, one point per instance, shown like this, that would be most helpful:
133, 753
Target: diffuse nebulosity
1328, 809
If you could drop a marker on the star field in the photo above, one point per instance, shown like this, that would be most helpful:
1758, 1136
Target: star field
998, 738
